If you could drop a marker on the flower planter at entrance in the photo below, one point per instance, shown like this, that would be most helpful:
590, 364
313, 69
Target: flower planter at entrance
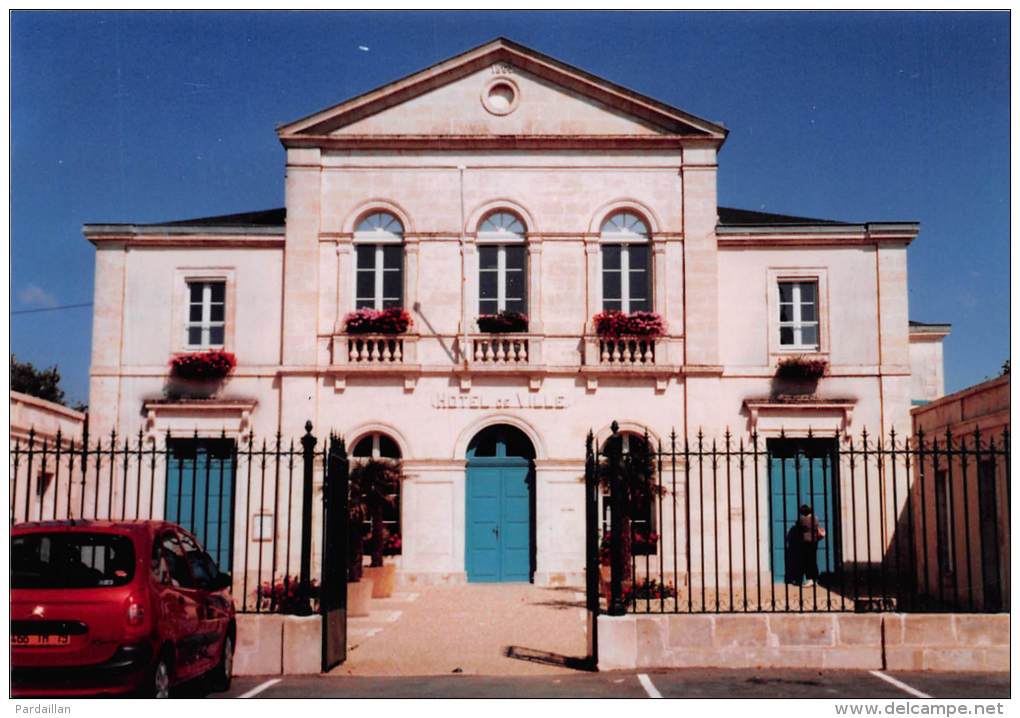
359, 596
384, 579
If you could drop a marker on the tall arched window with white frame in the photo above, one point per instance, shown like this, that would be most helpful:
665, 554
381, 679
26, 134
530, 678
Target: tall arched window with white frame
379, 246
502, 264
626, 266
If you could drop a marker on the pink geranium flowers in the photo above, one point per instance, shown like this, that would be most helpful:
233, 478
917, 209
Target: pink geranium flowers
198, 366
394, 320
613, 324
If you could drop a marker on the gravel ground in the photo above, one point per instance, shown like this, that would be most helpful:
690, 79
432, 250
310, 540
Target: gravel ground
470, 629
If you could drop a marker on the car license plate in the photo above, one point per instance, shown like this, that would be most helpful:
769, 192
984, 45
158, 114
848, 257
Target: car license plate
53, 639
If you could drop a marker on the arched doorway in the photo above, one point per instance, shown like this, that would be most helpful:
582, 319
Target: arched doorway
376, 446
500, 516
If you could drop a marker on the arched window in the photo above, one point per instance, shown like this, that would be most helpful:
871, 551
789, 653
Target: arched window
642, 511
376, 446
379, 446
626, 279
379, 242
502, 265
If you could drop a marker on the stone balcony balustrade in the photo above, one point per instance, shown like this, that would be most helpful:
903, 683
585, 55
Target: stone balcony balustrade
375, 350
533, 355
504, 349
627, 351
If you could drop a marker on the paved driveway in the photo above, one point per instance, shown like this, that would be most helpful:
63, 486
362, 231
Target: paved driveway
687, 683
472, 629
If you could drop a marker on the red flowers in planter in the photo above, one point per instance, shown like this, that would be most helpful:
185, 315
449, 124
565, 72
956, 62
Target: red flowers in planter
393, 545
504, 322
641, 544
394, 320
199, 366
800, 367
285, 595
613, 324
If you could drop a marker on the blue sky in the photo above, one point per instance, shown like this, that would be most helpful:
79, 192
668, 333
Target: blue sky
144, 117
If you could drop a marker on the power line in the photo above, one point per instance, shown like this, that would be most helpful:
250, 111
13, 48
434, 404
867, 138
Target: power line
52, 309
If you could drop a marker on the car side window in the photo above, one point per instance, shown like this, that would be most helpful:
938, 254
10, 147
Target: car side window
160, 565
180, 576
202, 566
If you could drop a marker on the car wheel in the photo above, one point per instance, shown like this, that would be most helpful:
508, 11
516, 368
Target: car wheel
224, 670
159, 681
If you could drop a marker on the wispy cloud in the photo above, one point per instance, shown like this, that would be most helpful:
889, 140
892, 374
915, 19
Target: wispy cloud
35, 296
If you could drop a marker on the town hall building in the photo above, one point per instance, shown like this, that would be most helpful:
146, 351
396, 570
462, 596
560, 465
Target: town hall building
502, 183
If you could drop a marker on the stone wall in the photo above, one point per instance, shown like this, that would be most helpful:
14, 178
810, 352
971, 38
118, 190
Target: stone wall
45, 418
271, 644
830, 640
947, 642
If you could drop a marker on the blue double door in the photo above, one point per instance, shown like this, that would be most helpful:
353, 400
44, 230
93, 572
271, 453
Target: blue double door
499, 516
802, 472
200, 493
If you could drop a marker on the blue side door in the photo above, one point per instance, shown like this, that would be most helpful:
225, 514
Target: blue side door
801, 472
499, 536
200, 493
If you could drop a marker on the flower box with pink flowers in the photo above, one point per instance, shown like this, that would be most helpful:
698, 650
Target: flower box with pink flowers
394, 320
613, 324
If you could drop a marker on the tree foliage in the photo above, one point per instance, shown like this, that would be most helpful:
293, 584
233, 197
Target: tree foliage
373, 483
41, 383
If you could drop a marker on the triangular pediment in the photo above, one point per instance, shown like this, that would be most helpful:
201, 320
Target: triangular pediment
501, 89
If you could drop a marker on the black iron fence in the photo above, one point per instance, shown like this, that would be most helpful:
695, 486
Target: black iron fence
812, 523
251, 502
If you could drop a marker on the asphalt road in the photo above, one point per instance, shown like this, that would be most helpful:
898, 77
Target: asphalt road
688, 683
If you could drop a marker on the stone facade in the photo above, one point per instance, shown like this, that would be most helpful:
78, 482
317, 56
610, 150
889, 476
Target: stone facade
502, 128
965, 560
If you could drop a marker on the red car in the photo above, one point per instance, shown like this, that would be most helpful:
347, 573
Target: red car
116, 607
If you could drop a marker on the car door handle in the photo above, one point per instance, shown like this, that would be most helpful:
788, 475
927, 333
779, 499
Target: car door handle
495, 530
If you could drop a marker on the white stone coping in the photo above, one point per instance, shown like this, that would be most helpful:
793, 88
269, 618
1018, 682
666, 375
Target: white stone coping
163, 411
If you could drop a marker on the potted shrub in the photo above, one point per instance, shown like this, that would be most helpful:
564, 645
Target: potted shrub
504, 322
614, 324
394, 320
359, 587
374, 482
199, 374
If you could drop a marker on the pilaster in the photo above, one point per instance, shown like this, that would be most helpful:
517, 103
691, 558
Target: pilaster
659, 275
301, 257
535, 324
345, 283
593, 295
107, 337
701, 263
469, 307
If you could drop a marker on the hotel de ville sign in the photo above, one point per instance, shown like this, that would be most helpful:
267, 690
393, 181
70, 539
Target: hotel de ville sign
504, 401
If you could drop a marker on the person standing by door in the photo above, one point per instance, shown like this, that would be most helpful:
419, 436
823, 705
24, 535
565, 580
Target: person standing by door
809, 533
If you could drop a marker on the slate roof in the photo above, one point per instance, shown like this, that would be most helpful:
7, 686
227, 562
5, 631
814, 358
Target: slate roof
263, 218
937, 327
728, 216
732, 217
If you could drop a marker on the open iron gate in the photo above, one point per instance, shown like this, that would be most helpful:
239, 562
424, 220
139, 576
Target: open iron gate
333, 595
591, 532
